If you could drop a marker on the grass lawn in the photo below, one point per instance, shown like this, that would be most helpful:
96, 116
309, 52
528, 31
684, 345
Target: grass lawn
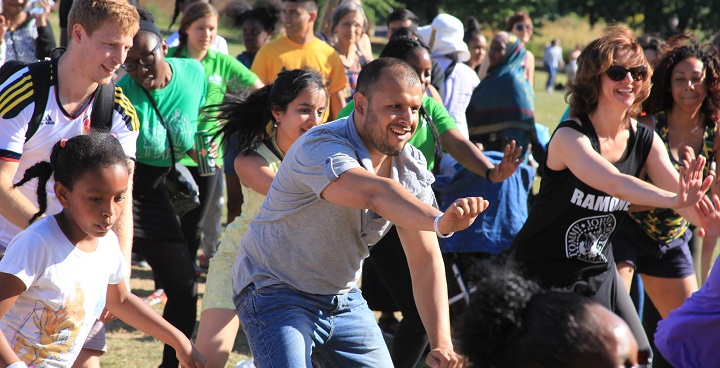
128, 347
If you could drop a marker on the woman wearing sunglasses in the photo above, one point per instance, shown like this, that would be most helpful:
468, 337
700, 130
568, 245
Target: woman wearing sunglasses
590, 178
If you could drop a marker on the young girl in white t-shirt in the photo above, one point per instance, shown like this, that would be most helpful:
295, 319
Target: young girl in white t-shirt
59, 274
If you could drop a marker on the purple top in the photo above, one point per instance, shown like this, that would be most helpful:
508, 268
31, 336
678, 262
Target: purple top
689, 337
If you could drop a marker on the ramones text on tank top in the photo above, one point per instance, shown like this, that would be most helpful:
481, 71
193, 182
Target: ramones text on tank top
565, 242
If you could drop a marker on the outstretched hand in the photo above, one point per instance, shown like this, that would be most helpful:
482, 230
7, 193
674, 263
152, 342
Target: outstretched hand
461, 214
509, 163
708, 211
692, 186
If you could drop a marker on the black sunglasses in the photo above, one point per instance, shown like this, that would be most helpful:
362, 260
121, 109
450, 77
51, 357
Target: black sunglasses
618, 73
145, 60
521, 27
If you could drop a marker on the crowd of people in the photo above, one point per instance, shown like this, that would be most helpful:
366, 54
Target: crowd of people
342, 170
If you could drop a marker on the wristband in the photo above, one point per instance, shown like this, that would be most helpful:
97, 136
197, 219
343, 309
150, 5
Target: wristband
488, 172
19, 364
437, 231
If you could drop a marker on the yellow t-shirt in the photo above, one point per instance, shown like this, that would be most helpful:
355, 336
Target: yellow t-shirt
282, 53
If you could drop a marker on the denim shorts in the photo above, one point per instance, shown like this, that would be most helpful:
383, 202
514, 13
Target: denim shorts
286, 327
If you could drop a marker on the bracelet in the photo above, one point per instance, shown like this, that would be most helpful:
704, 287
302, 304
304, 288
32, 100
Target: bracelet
488, 172
19, 364
437, 231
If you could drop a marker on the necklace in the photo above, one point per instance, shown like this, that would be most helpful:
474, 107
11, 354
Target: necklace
274, 142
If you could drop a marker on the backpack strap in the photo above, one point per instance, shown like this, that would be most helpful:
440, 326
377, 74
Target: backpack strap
101, 115
450, 69
41, 76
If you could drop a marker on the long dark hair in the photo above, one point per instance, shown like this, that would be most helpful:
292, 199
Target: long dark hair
190, 15
684, 47
245, 115
70, 160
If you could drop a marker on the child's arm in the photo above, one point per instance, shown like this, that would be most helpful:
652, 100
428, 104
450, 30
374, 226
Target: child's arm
133, 311
11, 288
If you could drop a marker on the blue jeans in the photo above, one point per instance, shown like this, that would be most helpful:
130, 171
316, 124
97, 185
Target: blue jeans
552, 73
289, 328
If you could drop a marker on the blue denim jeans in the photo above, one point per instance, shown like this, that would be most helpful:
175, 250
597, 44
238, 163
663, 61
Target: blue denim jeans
288, 328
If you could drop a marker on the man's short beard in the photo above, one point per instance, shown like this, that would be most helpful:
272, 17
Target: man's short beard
377, 135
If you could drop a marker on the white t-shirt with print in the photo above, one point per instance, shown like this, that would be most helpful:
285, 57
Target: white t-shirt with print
66, 291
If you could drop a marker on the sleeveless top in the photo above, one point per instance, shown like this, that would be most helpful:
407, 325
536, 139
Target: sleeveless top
664, 225
565, 242
252, 199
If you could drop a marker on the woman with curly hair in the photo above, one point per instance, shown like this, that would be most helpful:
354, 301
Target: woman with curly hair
590, 178
683, 108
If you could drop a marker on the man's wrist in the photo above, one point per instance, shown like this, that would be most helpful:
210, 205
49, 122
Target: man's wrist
437, 229
489, 172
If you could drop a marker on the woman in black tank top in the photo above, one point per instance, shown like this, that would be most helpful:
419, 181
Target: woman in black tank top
590, 178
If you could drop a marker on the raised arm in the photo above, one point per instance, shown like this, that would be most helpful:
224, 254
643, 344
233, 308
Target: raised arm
570, 149
473, 159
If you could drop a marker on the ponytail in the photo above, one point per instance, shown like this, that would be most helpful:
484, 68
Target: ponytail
245, 116
42, 171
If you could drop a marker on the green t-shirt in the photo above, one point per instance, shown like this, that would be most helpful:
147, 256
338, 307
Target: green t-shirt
221, 71
179, 102
423, 138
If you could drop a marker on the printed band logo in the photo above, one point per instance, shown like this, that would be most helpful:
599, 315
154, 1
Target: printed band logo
587, 238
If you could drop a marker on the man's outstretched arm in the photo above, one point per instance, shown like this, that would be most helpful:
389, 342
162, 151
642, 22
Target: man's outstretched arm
358, 188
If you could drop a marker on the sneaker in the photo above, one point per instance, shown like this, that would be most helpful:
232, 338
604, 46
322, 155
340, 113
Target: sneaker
157, 297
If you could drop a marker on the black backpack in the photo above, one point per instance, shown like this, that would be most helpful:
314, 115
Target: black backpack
40, 74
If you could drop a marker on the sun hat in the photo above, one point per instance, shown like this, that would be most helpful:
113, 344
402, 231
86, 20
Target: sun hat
449, 37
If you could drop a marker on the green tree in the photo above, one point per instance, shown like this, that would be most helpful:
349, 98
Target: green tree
663, 17
494, 13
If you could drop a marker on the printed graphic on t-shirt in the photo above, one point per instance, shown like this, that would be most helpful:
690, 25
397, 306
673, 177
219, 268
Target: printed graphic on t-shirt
156, 145
586, 238
57, 330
